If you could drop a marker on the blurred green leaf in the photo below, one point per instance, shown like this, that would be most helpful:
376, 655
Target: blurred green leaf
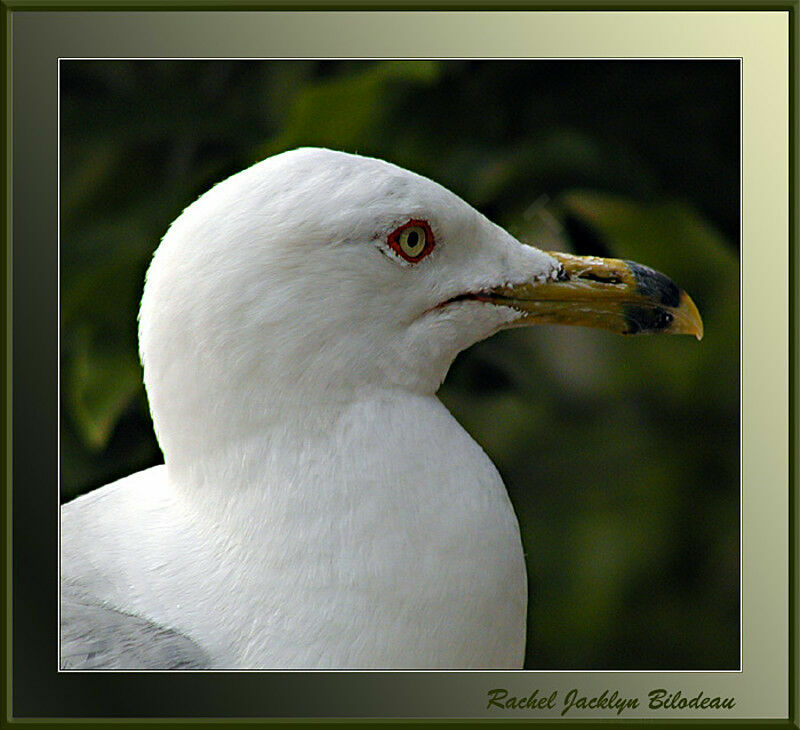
341, 112
102, 380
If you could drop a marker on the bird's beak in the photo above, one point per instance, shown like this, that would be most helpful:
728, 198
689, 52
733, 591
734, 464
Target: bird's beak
620, 296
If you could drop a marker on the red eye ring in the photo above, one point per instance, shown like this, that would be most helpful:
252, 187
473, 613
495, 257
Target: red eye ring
412, 241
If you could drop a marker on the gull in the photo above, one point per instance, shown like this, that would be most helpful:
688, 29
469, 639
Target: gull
319, 508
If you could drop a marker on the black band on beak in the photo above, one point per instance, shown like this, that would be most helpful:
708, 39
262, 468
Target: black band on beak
655, 286
641, 320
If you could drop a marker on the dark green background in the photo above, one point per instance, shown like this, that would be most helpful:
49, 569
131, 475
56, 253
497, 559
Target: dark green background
621, 455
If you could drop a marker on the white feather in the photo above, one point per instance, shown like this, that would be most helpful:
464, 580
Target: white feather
319, 507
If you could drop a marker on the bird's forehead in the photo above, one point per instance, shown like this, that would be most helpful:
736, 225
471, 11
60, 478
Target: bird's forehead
310, 199
369, 189
389, 187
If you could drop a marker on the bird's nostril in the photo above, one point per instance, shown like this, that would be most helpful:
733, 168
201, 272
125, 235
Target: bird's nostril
607, 279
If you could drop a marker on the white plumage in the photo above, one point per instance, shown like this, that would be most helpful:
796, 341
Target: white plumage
318, 507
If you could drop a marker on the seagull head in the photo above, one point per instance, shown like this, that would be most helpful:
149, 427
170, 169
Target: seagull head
318, 276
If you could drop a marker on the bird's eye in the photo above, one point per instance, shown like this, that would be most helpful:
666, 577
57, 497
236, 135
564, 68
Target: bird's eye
413, 240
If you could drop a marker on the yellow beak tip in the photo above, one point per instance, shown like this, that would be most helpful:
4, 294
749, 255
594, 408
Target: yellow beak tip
691, 316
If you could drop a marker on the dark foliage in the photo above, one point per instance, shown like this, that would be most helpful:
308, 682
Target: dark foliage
620, 455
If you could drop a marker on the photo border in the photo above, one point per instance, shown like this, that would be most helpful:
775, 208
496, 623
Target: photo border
35, 393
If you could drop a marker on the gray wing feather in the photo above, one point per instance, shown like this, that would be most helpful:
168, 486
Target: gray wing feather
98, 637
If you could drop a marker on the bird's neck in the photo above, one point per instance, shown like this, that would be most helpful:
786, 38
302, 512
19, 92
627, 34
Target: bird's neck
253, 462
382, 509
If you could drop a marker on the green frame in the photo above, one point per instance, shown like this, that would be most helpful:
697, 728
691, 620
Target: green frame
289, 683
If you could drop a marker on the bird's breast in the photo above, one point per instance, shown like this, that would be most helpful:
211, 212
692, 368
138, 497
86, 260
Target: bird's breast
388, 543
